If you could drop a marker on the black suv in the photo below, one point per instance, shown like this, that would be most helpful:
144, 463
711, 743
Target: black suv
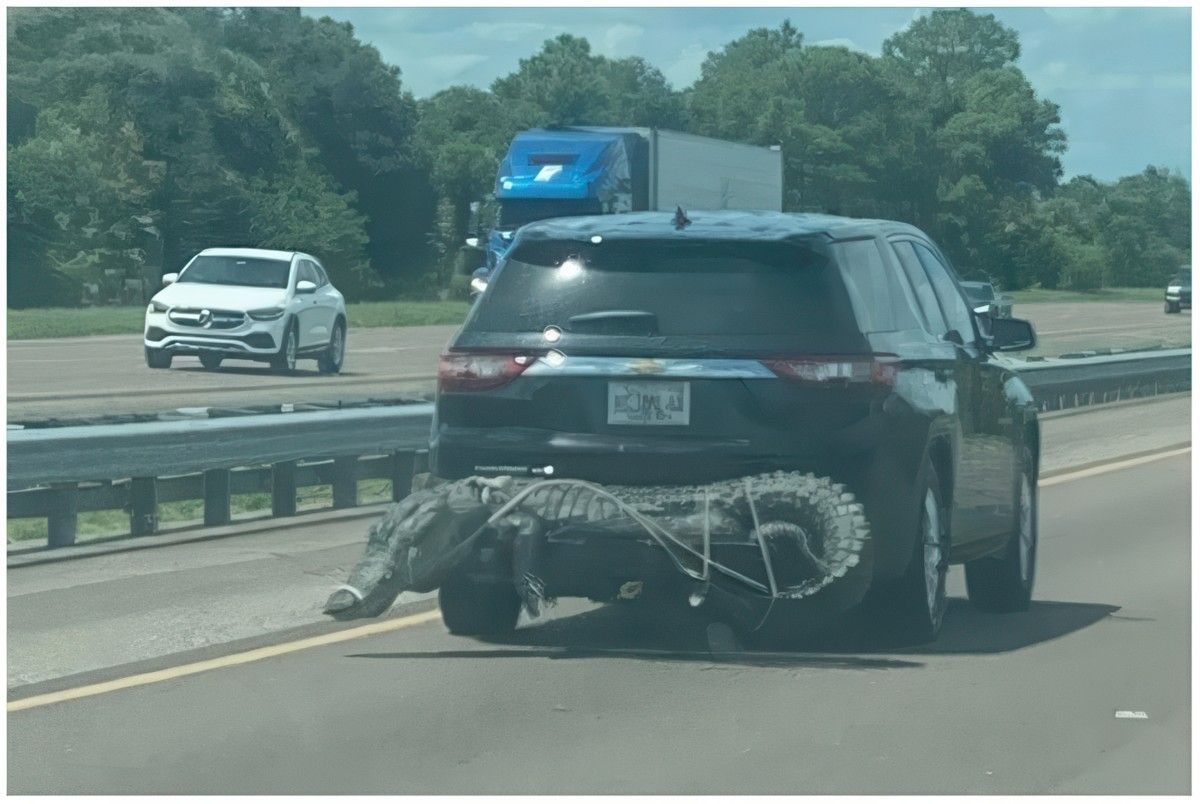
649, 349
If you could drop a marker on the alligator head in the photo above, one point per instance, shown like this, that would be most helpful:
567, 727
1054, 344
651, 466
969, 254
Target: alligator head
413, 547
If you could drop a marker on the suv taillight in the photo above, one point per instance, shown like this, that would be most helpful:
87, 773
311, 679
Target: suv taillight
878, 369
479, 371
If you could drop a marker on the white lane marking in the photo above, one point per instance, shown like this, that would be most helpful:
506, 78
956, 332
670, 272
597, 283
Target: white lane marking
1140, 328
1114, 466
1130, 714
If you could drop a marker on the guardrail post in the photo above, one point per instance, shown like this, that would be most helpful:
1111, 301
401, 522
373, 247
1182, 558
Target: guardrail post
63, 518
345, 482
143, 506
402, 474
216, 497
283, 488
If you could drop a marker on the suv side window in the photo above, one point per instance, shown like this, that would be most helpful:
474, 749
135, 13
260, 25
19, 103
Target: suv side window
308, 272
931, 311
957, 313
322, 278
879, 302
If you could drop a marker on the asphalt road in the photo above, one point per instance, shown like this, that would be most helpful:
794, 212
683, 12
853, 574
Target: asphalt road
91, 376
74, 617
608, 699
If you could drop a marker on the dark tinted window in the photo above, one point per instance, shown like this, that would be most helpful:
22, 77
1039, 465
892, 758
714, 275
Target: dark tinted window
958, 315
516, 212
927, 301
251, 272
770, 295
977, 291
878, 298
865, 280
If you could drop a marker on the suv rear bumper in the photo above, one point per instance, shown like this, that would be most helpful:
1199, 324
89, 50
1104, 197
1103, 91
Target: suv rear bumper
458, 452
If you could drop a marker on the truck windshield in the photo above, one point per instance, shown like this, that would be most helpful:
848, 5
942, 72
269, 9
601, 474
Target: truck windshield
252, 272
516, 212
759, 295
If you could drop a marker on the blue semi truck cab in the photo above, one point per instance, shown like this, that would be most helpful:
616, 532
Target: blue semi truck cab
594, 170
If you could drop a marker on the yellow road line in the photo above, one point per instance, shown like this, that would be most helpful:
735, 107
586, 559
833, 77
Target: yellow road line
1114, 466
231, 660
370, 629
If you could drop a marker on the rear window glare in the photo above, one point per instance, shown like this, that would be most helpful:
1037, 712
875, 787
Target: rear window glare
768, 294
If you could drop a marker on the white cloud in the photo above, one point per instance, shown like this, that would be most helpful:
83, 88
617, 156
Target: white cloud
685, 67
1082, 14
618, 39
452, 66
1171, 81
530, 32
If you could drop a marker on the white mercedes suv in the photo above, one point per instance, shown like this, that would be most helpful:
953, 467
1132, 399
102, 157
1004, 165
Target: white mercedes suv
248, 304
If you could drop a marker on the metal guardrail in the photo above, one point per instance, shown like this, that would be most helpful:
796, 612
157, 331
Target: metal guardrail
58, 472
1078, 380
210, 459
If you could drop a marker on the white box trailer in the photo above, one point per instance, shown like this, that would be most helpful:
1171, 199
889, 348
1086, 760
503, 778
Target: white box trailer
704, 173
697, 172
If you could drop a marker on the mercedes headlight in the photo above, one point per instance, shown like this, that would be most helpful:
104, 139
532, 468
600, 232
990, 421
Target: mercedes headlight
156, 307
266, 314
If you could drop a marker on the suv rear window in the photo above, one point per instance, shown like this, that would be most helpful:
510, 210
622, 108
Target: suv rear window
751, 294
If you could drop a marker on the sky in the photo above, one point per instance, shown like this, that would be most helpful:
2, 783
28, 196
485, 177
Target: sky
1121, 76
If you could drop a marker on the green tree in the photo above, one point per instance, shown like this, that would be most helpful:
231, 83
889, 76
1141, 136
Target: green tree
566, 84
462, 135
949, 46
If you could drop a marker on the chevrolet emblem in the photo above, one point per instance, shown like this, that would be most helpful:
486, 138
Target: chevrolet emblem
647, 366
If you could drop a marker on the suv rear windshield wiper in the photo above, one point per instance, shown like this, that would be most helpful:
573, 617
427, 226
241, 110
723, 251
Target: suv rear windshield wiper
615, 322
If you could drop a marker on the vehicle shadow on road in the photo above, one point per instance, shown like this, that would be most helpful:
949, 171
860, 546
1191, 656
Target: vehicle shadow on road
853, 643
970, 631
264, 371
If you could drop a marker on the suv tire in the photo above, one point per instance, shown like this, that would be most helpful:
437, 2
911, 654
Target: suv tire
1004, 583
211, 361
478, 608
914, 607
285, 360
330, 361
158, 358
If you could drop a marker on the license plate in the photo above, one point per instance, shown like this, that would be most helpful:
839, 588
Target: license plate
655, 403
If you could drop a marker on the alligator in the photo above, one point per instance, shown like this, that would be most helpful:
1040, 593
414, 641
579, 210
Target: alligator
810, 533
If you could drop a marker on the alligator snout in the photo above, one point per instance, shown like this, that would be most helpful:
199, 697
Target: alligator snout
342, 604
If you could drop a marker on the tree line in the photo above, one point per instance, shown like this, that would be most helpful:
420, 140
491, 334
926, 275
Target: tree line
138, 136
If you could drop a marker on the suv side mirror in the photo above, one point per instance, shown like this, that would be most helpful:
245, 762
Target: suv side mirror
305, 286
1012, 335
169, 279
